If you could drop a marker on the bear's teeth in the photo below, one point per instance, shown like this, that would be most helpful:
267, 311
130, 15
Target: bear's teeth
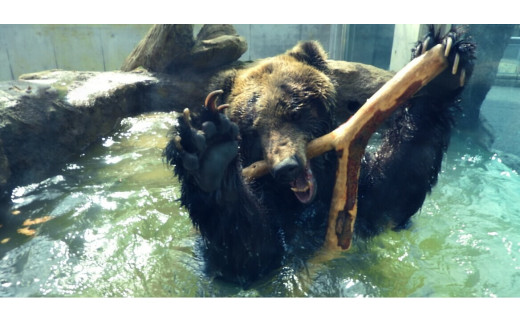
303, 189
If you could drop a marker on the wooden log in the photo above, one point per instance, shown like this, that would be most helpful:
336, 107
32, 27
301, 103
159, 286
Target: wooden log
351, 138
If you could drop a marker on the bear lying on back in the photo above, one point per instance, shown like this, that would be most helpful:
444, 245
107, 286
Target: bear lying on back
275, 108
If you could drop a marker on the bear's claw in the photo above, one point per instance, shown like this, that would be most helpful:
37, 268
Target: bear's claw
210, 102
207, 144
448, 44
458, 49
455, 64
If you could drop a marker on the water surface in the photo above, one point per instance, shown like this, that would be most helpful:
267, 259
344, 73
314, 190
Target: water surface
112, 226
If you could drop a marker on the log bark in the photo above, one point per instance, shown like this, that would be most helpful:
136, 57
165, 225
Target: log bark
351, 138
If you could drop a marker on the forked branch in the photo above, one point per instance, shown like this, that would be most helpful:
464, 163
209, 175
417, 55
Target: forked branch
351, 138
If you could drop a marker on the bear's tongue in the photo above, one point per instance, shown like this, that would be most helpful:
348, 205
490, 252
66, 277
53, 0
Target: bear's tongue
304, 186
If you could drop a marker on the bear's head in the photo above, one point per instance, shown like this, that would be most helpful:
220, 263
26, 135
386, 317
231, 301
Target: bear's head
281, 104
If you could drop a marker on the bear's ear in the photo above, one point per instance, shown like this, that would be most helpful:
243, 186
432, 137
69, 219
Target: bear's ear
310, 52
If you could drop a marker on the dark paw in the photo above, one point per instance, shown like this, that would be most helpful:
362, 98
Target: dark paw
205, 147
460, 52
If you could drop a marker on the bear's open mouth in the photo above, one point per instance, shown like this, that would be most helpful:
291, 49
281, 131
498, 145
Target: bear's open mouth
304, 186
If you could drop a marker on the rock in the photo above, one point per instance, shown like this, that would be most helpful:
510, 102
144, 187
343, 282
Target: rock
49, 117
500, 113
172, 48
212, 31
356, 82
162, 45
5, 172
491, 42
216, 45
511, 160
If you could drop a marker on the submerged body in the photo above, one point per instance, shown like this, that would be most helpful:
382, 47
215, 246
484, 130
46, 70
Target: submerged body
275, 108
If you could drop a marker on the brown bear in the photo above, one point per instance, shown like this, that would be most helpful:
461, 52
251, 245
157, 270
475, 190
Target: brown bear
275, 108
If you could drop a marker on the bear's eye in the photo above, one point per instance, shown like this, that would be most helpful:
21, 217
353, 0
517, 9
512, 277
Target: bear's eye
294, 115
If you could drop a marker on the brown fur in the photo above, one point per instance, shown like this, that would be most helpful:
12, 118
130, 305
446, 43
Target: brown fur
276, 107
274, 90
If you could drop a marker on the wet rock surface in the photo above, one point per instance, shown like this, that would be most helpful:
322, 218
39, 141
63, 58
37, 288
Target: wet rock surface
501, 112
47, 118
491, 42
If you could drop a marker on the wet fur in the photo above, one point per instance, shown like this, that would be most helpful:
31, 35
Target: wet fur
249, 229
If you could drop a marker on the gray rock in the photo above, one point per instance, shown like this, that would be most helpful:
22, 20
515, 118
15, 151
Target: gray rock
5, 172
162, 45
47, 118
491, 42
172, 48
217, 45
355, 84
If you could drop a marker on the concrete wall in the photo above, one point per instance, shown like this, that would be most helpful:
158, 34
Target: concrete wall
369, 44
32, 48
269, 40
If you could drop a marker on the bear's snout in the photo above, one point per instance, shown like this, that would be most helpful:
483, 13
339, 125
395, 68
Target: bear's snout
287, 170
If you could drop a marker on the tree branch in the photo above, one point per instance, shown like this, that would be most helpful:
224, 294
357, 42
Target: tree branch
351, 138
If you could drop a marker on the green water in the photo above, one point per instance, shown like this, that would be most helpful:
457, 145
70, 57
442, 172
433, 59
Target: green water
116, 229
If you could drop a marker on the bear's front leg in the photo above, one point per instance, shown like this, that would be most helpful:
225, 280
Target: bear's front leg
240, 242
395, 179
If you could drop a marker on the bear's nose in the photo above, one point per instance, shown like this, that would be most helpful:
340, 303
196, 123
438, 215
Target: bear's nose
287, 170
